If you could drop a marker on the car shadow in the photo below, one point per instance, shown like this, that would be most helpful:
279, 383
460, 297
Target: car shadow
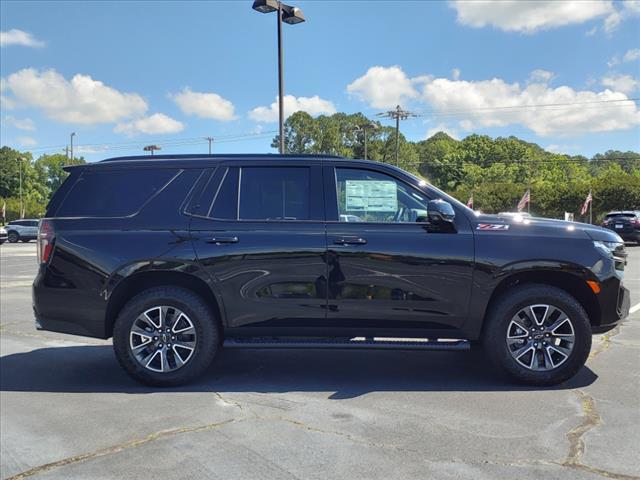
82, 369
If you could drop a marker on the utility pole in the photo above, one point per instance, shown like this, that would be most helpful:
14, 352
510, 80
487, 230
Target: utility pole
66, 152
210, 140
73, 134
21, 204
397, 114
151, 148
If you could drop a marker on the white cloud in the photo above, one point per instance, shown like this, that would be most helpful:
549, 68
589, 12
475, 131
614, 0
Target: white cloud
158, 123
631, 55
537, 106
621, 83
455, 73
20, 123
441, 127
561, 148
312, 105
383, 87
496, 103
204, 105
27, 141
529, 16
19, 37
81, 149
82, 100
541, 76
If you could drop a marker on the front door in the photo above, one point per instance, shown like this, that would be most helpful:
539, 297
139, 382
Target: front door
259, 233
388, 268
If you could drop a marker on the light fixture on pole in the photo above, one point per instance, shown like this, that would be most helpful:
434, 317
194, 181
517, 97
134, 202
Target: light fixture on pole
292, 16
151, 148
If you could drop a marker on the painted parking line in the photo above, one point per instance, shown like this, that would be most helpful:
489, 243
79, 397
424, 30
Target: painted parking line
634, 309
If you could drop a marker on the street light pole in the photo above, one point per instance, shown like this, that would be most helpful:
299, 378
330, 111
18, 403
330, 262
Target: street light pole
290, 15
280, 80
73, 134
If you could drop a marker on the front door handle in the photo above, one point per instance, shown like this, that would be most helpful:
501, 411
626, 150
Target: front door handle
221, 240
350, 241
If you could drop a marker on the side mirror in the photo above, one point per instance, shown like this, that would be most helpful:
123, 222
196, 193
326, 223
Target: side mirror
440, 212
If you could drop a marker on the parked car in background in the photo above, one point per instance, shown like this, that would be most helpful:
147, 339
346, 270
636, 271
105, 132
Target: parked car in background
22, 230
3, 235
176, 256
625, 223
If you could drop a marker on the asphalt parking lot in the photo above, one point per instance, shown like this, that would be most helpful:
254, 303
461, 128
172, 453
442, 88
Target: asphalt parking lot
67, 410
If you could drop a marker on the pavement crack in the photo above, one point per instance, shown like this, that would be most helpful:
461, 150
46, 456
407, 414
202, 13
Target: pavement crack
605, 344
231, 403
118, 448
591, 420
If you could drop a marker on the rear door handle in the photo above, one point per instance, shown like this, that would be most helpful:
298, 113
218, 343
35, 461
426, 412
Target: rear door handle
350, 241
221, 240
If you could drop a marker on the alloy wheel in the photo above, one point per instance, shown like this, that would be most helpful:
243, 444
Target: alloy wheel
540, 337
162, 339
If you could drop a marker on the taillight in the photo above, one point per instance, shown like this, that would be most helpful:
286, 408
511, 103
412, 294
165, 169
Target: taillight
46, 234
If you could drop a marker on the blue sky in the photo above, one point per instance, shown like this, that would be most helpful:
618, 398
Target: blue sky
126, 74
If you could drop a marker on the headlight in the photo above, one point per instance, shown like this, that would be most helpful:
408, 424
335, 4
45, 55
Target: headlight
607, 248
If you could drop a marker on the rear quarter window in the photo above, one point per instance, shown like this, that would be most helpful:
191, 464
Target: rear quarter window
113, 193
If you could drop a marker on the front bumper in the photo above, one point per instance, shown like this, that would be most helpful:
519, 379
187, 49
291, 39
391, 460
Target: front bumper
614, 302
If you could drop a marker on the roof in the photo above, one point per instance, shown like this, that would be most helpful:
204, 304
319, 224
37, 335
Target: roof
198, 160
192, 156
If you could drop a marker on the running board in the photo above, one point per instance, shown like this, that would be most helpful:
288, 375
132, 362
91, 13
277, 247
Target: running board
347, 343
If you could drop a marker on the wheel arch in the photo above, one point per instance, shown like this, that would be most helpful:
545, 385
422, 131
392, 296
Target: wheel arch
573, 284
139, 282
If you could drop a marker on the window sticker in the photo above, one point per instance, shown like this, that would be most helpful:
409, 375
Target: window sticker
371, 195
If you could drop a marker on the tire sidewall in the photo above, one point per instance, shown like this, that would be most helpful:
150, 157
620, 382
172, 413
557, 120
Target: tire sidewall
204, 322
13, 237
496, 343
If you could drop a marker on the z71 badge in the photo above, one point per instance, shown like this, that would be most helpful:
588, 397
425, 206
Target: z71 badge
501, 227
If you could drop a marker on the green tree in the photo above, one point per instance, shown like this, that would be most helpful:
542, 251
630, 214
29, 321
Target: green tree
50, 167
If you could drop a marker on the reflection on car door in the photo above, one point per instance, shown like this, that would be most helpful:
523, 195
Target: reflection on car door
386, 269
259, 233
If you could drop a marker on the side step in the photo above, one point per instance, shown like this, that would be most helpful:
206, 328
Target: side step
347, 343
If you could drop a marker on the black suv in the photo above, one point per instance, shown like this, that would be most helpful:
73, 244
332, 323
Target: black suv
176, 256
625, 223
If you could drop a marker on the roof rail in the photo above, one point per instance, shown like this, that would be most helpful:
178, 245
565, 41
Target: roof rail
218, 156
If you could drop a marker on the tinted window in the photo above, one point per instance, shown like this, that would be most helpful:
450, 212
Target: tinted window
368, 196
225, 205
274, 193
113, 193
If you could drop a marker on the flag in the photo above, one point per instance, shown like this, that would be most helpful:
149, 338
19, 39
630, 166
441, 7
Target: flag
586, 203
4, 210
470, 202
526, 198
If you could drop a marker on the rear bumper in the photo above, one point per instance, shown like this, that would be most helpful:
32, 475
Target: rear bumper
60, 309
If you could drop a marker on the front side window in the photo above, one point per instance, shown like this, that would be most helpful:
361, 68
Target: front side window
368, 196
274, 193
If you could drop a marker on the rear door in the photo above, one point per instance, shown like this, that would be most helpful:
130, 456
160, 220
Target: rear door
259, 232
388, 269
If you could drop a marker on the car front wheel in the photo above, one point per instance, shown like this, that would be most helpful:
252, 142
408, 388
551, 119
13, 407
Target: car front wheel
13, 237
539, 334
166, 336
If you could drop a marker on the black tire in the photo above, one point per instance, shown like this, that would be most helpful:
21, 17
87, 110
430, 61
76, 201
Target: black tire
499, 318
13, 237
204, 321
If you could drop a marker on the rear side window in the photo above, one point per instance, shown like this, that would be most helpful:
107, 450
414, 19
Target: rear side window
113, 193
274, 193
225, 205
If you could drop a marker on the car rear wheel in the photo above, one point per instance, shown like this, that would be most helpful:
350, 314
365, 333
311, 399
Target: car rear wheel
13, 237
166, 336
539, 334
